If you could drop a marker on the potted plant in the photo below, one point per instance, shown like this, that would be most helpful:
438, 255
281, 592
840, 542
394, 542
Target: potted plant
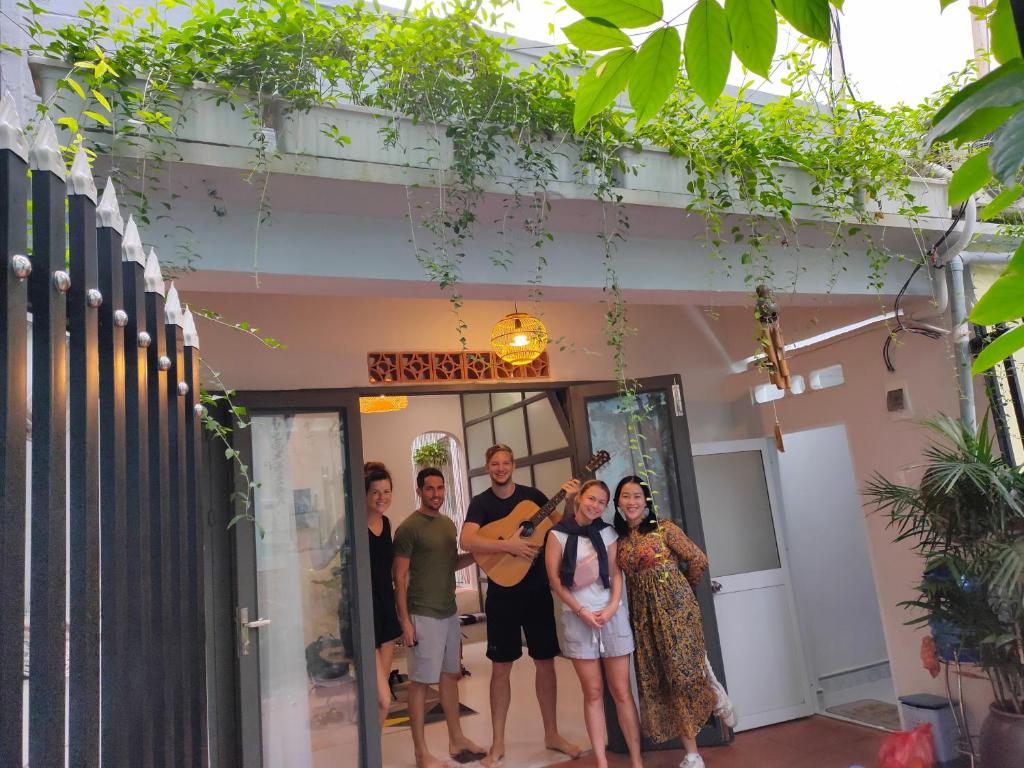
966, 519
433, 454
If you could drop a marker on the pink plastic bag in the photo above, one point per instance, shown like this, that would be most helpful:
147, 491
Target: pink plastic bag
908, 749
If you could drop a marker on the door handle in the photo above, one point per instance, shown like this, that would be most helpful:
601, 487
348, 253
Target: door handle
244, 638
716, 586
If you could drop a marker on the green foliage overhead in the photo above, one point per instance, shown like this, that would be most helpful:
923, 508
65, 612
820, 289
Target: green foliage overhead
595, 35
969, 178
600, 84
654, 73
754, 32
628, 14
707, 49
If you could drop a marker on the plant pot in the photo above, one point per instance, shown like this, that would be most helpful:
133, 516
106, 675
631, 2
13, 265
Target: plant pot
1002, 739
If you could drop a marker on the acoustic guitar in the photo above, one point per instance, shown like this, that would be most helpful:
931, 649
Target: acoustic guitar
528, 521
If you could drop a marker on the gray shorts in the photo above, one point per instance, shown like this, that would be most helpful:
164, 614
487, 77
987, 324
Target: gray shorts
581, 641
438, 648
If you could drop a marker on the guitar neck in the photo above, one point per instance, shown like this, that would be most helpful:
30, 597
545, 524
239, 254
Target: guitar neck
548, 508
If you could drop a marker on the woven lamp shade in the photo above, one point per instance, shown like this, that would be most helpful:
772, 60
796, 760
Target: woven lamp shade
519, 338
383, 403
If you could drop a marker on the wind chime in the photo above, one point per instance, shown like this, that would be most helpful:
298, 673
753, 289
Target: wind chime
773, 348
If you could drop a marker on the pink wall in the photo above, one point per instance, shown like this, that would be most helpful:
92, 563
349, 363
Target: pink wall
328, 338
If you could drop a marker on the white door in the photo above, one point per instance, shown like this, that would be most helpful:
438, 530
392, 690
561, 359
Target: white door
761, 649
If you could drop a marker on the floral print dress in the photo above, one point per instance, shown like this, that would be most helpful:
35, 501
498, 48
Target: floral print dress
675, 695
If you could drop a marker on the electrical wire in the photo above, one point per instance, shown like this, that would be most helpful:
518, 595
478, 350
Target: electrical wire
900, 326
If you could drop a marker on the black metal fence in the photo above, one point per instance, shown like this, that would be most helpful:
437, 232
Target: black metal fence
102, 634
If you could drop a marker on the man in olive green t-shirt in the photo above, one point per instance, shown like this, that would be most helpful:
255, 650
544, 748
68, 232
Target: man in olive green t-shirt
426, 558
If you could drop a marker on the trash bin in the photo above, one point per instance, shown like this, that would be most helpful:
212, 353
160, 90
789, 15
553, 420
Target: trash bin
937, 712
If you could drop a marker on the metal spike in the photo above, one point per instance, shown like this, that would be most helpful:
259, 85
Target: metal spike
108, 212
44, 154
131, 244
172, 307
154, 279
11, 136
80, 181
190, 333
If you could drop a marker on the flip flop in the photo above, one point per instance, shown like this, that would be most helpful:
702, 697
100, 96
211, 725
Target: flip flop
467, 756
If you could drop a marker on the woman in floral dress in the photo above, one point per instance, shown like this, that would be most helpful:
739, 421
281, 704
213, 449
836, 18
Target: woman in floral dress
676, 697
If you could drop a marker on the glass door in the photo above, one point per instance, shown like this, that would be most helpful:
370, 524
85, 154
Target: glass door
305, 666
663, 452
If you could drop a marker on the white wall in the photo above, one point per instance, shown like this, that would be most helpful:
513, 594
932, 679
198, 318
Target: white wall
826, 539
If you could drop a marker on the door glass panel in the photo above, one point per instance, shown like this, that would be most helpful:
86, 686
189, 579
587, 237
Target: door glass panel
501, 400
479, 484
609, 430
545, 431
478, 440
476, 405
521, 476
308, 686
510, 429
737, 513
550, 475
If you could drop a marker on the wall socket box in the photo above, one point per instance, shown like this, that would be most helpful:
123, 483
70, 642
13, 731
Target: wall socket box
897, 401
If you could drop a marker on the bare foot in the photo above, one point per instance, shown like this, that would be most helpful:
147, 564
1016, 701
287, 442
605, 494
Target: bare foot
427, 760
566, 747
464, 745
494, 757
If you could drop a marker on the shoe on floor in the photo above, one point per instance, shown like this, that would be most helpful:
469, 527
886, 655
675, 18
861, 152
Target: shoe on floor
692, 761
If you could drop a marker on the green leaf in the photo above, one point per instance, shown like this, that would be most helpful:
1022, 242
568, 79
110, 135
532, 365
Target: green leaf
838, 4
627, 14
754, 31
980, 124
70, 122
600, 84
811, 17
969, 178
1004, 300
75, 86
654, 73
943, 4
1005, 45
596, 35
999, 350
1008, 149
101, 119
1001, 202
1002, 87
707, 49
101, 99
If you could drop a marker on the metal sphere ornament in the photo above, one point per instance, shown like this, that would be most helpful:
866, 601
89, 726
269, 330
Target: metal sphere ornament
145, 339
163, 363
61, 281
519, 338
21, 265
120, 318
93, 298
199, 409
182, 388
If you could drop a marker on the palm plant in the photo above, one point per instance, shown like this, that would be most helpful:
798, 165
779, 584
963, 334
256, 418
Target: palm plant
966, 519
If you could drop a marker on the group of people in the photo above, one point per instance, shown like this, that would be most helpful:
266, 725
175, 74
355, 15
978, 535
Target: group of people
585, 562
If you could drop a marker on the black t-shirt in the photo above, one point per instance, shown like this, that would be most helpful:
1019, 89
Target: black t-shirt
486, 507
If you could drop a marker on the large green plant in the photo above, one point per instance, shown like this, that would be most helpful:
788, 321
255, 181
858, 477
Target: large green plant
966, 520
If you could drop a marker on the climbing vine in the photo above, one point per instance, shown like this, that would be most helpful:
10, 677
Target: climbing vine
498, 125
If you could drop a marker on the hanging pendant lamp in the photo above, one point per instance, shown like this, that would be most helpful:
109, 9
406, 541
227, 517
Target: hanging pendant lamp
519, 338
383, 403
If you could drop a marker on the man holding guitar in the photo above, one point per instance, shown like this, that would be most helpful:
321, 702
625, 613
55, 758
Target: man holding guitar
526, 606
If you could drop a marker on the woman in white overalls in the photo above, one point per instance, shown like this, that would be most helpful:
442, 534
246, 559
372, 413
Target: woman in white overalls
583, 572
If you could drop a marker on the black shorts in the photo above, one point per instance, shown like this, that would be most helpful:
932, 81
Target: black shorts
529, 610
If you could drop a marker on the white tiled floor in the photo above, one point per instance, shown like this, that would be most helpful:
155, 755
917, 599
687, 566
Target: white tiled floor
525, 736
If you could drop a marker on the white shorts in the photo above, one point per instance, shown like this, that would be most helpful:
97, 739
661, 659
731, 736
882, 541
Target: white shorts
581, 641
438, 648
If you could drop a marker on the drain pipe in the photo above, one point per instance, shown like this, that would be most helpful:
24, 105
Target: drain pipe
962, 343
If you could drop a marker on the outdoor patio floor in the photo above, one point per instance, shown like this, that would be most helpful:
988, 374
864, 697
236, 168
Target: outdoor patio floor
814, 742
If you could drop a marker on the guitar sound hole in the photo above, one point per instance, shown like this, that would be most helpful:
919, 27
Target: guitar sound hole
526, 530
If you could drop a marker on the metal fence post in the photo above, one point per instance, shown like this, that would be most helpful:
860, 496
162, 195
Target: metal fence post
48, 285
142, 659
180, 631
13, 415
195, 525
116, 620
84, 299
162, 652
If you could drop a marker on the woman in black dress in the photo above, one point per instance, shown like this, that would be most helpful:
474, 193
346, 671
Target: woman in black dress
385, 618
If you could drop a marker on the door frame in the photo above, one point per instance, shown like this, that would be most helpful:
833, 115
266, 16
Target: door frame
346, 404
770, 463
